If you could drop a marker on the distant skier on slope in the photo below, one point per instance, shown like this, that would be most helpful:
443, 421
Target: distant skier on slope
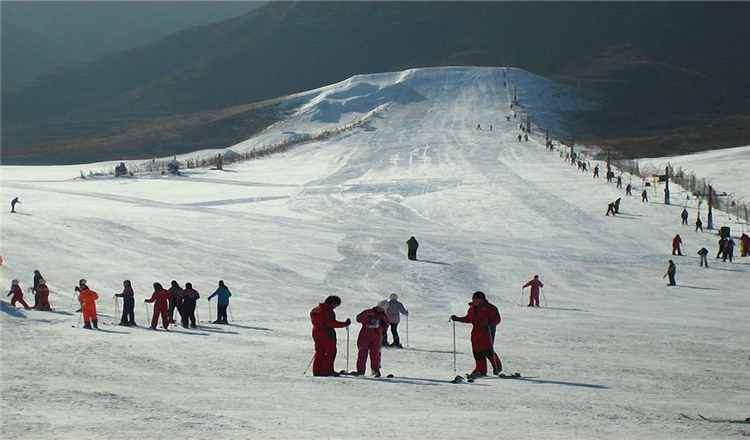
42, 293
13, 204
671, 272
535, 284
161, 299
87, 298
394, 311
484, 318
188, 300
128, 304
704, 259
698, 225
684, 216
324, 334
37, 276
412, 246
644, 196
369, 342
676, 242
223, 294
728, 250
611, 209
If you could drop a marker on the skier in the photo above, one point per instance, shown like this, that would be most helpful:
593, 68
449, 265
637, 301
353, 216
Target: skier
37, 276
161, 299
535, 284
324, 323
188, 300
628, 189
519, 138
13, 204
484, 318
42, 293
704, 259
596, 172
617, 205
671, 272
744, 245
221, 312
128, 304
684, 216
479, 127
644, 196
369, 342
698, 225
728, 250
412, 245
619, 181
676, 242
722, 242
17, 293
87, 298
611, 209
393, 312
176, 291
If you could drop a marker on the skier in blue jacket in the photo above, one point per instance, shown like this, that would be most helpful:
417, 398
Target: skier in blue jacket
223, 293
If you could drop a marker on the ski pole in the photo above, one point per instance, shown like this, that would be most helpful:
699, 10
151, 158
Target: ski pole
197, 315
544, 297
209, 311
72, 300
521, 295
230, 312
145, 306
347, 348
117, 310
308, 365
454, 347
407, 331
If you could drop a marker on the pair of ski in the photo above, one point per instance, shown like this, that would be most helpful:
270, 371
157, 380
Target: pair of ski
747, 420
355, 374
468, 378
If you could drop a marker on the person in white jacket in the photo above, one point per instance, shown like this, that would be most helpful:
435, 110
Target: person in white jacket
394, 312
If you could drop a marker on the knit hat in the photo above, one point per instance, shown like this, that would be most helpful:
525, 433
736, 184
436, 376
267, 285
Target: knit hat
383, 305
393, 296
478, 295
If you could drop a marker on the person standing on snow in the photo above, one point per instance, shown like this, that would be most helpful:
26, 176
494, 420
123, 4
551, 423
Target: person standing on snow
17, 293
704, 259
722, 243
671, 272
676, 242
128, 304
393, 312
324, 323
728, 250
87, 298
684, 216
698, 225
42, 293
37, 276
535, 284
221, 312
13, 204
161, 299
176, 291
189, 298
628, 189
484, 317
412, 246
369, 342
644, 196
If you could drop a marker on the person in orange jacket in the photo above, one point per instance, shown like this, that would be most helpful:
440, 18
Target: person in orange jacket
161, 299
87, 298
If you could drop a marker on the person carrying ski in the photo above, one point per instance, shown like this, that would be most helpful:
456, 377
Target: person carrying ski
671, 272
484, 318
223, 294
128, 304
676, 242
176, 291
42, 293
684, 216
161, 299
535, 284
17, 293
704, 259
369, 342
393, 312
13, 204
87, 298
412, 246
324, 323
189, 298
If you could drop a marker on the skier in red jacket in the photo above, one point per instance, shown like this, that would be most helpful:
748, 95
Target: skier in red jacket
369, 342
324, 334
676, 242
535, 284
161, 299
484, 317
17, 293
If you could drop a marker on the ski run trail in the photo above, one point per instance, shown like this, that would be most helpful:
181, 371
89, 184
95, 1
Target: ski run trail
612, 353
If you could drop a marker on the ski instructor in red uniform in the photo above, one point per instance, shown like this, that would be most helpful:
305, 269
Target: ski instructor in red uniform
484, 317
324, 334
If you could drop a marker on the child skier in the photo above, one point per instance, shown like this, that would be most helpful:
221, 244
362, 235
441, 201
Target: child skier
87, 298
369, 342
484, 317
17, 293
393, 312
42, 292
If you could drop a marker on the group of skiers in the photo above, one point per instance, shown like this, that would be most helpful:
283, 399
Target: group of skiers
165, 301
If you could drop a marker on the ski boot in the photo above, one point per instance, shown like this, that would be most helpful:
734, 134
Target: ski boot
376, 372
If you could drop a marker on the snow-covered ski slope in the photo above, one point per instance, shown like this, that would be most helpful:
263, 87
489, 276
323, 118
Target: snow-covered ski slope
616, 353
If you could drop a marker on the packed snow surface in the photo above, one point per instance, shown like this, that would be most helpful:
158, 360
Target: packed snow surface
612, 353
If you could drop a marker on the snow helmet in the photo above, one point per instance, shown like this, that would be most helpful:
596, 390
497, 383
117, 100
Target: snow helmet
14, 283
383, 305
393, 296
82, 282
41, 282
478, 295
